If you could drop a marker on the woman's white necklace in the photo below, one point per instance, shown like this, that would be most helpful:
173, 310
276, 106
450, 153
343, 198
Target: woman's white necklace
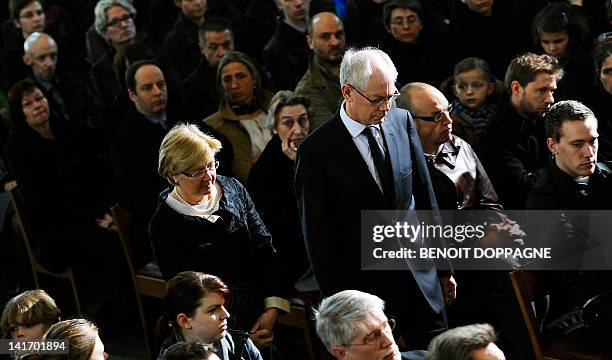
204, 206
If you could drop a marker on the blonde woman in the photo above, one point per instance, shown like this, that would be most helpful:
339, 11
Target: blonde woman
207, 222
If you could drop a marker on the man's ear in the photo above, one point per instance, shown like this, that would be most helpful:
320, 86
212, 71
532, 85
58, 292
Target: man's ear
183, 321
17, 24
515, 87
278, 4
552, 145
339, 352
177, 3
132, 95
309, 41
346, 92
26, 59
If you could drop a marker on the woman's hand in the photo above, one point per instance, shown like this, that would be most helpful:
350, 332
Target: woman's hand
261, 333
289, 148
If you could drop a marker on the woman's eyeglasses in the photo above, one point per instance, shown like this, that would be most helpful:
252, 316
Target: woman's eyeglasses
198, 174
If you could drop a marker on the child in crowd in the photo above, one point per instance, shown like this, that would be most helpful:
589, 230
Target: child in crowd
29, 315
473, 107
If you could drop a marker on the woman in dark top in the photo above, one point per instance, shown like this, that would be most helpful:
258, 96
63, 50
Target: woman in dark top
64, 182
558, 33
271, 185
194, 311
207, 222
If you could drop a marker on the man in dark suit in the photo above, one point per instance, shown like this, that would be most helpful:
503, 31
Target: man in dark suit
135, 148
366, 157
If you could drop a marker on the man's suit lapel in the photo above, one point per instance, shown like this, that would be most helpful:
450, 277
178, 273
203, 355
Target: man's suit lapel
393, 152
349, 154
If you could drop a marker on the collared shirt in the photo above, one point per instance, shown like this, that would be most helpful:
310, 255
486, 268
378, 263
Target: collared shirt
361, 142
159, 120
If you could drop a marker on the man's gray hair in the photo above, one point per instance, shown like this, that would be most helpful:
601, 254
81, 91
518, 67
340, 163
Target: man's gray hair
100, 19
459, 343
359, 64
342, 315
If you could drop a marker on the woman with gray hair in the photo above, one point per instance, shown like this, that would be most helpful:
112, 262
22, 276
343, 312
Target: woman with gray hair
207, 222
271, 185
242, 113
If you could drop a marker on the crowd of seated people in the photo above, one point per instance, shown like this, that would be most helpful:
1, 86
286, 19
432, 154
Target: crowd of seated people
169, 109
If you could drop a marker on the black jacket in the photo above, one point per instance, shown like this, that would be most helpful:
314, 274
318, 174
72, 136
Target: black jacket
272, 189
239, 252
557, 190
286, 56
512, 149
199, 94
181, 50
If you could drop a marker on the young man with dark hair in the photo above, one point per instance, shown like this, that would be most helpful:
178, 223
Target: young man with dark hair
512, 148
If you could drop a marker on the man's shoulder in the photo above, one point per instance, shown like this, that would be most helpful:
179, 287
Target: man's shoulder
322, 135
200, 78
543, 194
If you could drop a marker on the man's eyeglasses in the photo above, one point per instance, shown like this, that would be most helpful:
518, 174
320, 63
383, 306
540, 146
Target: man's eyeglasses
437, 116
404, 20
373, 337
198, 174
128, 18
378, 101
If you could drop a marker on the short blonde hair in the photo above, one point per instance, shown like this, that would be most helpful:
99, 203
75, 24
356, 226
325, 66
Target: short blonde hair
184, 147
30, 308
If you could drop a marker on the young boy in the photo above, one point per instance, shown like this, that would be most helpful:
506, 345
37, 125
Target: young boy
29, 315
473, 108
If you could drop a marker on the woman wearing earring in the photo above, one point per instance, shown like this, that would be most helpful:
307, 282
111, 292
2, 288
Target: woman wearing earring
242, 113
207, 222
195, 312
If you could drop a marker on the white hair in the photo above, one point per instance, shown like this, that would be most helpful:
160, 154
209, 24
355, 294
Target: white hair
341, 316
34, 37
359, 64
100, 19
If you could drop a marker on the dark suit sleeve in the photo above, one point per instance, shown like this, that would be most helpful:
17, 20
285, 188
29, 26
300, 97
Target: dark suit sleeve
316, 211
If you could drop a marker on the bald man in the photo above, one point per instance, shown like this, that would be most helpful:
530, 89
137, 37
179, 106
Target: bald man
65, 92
448, 156
321, 83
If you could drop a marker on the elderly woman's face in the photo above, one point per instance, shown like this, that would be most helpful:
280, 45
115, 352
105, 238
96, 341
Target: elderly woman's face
35, 108
237, 83
292, 125
199, 180
606, 74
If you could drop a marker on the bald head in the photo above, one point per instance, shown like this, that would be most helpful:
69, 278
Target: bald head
40, 55
429, 108
326, 37
413, 95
